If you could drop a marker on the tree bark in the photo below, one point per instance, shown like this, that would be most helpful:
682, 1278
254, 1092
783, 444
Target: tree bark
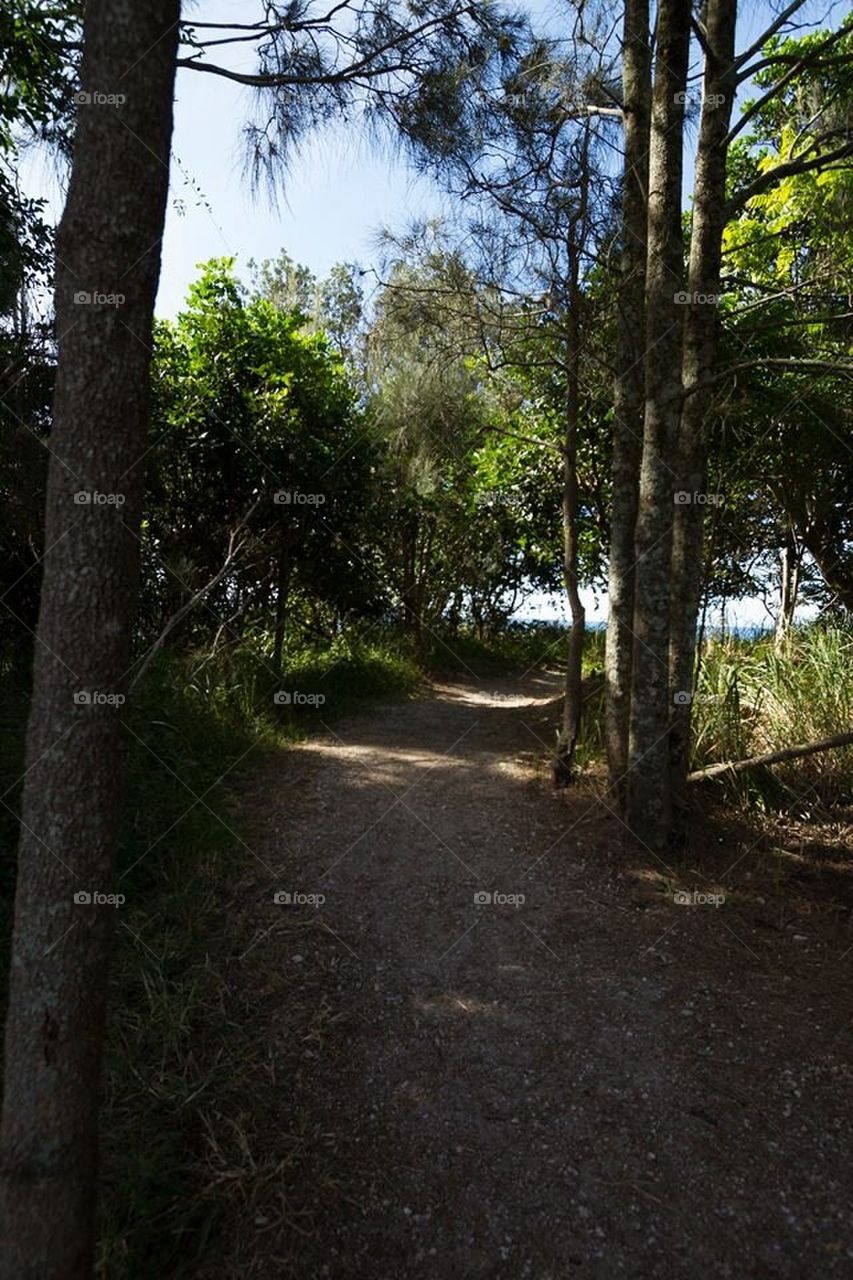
108, 249
649, 802
629, 391
833, 561
282, 592
772, 757
701, 331
572, 697
573, 693
789, 584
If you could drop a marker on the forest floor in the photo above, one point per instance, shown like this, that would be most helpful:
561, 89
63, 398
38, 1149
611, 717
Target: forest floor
582, 1078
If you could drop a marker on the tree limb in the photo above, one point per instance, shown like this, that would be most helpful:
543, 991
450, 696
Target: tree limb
235, 546
772, 757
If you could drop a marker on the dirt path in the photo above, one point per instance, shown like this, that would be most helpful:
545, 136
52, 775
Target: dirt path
591, 1082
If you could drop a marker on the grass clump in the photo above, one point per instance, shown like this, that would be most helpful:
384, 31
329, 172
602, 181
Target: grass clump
754, 696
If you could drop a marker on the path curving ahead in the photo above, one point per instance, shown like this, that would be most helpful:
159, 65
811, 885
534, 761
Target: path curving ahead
576, 1078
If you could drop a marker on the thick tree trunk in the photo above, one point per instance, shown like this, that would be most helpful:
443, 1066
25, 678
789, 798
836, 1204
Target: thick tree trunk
648, 802
629, 391
701, 331
108, 263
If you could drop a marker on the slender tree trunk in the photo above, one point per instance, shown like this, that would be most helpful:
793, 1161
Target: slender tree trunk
572, 699
409, 557
108, 249
701, 330
829, 554
789, 582
648, 807
285, 568
629, 390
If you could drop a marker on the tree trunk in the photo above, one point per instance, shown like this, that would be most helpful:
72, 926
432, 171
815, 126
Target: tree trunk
629, 391
648, 807
572, 699
568, 735
789, 583
833, 562
285, 567
108, 265
701, 330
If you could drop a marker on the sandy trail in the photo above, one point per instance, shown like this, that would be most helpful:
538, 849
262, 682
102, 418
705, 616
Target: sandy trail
575, 1078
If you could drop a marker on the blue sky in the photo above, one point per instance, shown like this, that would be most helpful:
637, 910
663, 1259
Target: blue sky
339, 190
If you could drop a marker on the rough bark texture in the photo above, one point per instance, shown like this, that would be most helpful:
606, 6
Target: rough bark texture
701, 329
108, 244
629, 390
568, 736
648, 802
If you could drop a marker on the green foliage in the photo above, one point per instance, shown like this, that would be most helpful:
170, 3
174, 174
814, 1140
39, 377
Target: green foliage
255, 426
39, 71
754, 697
778, 435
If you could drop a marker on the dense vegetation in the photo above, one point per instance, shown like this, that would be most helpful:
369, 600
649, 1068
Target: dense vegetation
340, 487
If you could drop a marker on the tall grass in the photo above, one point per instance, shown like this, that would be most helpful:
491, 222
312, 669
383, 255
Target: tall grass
754, 697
